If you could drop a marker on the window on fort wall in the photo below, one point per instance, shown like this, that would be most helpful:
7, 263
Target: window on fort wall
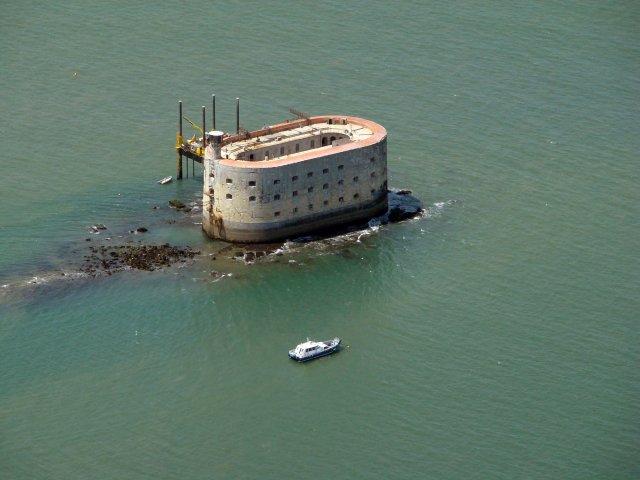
309, 174
311, 206
372, 159
281, 150
355, 195
310, 189
373, 174
252, 183
276, 181
355, 179
325, 203
297, 147
325, 186
295, 210
325, 170
252, 198
276, 196
229, 196
251, 156
276, 214
340, 182
340, 167
294, 193
229, 180
341, 199
294, 178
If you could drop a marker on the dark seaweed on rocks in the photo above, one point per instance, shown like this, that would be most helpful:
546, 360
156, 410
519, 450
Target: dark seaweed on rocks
112, 259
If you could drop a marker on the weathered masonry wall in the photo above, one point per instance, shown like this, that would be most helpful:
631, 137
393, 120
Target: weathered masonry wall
268, 201
293, 145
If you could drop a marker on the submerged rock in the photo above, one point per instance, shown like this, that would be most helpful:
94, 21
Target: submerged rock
176, 204
397, 214
140, 257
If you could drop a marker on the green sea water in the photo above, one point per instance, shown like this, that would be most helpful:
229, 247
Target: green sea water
497, 336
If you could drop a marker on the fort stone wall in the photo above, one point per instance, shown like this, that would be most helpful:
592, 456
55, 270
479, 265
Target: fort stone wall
265, 201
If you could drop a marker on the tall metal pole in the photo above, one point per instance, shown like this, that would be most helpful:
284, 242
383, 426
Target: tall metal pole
213, 110
204, 130
237, 115
204, 142
179, 174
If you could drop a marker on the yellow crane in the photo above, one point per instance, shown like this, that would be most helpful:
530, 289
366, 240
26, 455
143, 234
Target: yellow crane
193, 124
190, 144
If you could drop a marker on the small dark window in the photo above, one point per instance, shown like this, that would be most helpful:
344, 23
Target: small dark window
311, 206
373, 174
330, 121
340, 167
324, 141
251, 156
325, 186
276, 214
326, 202
340, 182
294, 178
310, 189
229, 180
309, 174
297, 147
276, 196
355, 195
341, 199
252, 183
325, 170
372, 159
294, 193
295, 210
276, 181
281, 150
252, 198
229, 196
355, 179
373, 191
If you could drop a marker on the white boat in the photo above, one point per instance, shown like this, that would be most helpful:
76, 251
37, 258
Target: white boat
312, 349
165, 180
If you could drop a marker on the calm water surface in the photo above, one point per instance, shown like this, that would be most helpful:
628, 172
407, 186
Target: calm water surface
495, 337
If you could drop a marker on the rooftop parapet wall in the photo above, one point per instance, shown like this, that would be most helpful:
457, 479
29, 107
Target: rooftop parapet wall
338, 122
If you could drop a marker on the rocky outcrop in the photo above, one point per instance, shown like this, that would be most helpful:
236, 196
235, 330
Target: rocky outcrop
111, 259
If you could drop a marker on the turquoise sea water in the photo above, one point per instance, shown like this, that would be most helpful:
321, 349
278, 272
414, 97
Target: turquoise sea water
495, 337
